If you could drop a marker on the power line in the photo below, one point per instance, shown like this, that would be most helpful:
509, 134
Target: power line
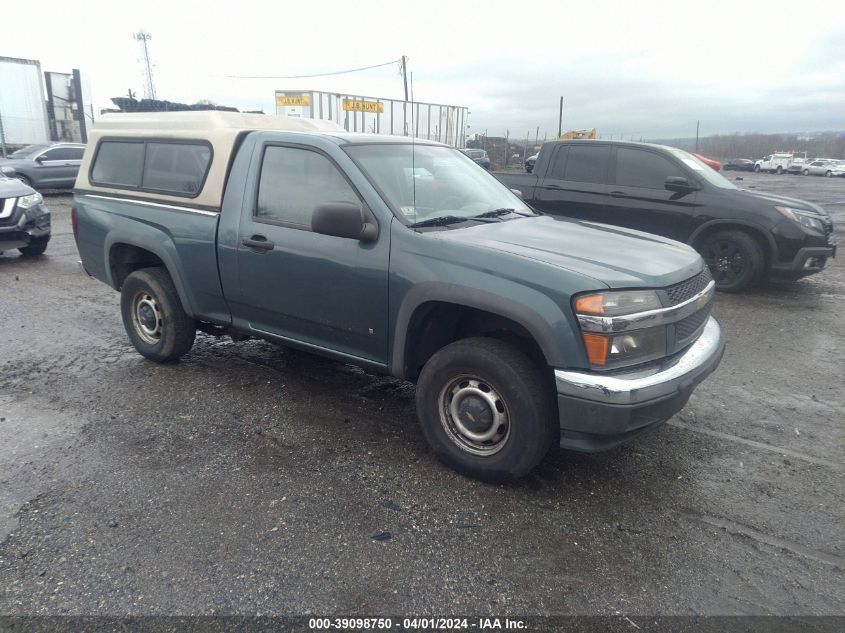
338, 72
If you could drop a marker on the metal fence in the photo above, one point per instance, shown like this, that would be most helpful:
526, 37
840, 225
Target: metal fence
376, 115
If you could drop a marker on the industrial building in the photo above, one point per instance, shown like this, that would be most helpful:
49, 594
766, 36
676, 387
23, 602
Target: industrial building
377, 115
39, 107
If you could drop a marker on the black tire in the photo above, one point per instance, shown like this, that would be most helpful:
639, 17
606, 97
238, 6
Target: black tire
735, 259
36, 247
828, 174
806, 172
757, 168
154, 317
523, 397
779, 170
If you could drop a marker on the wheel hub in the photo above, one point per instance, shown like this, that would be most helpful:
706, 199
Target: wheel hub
147, 318
474, 415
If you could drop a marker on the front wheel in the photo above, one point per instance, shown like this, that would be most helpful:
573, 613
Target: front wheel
486, 409
779, 170
735, 260
153, 316
757, 168
828, 173
35, 248
806, 172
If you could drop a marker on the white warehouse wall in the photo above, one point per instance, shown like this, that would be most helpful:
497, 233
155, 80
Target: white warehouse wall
22, 102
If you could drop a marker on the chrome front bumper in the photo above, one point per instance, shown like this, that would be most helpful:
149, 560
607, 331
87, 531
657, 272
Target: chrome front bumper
653, 383
600, 411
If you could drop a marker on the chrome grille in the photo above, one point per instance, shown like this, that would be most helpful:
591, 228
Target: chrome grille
689, 288
685, 328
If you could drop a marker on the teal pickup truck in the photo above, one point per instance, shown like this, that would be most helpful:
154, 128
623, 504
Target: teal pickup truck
520, 331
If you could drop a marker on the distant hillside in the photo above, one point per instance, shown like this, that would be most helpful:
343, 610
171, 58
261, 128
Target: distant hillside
754, 145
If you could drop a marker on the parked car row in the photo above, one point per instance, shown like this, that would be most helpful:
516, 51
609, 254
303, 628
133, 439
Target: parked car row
785, 162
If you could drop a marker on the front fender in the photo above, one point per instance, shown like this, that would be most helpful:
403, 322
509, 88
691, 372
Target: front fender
551, 330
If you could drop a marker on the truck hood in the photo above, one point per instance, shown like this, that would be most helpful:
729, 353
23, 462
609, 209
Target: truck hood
614, 256
780, 201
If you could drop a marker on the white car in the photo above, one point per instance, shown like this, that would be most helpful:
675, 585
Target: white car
837, 168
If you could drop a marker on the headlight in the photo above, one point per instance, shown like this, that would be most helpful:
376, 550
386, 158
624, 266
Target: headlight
617, 303
625, 348
804, 218
27, 202
606, 351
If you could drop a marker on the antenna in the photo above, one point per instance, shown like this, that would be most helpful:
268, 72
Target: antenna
149, 88
413, 148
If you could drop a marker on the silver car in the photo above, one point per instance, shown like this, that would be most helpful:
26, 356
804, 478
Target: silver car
50, 166
819, 167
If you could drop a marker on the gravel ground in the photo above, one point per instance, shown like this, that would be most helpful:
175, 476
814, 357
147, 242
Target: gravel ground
253, 479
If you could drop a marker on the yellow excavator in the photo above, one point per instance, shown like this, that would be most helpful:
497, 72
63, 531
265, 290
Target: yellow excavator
575, 134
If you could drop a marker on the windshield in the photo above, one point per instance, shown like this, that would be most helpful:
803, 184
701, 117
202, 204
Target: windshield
702, 170
425, 182
27, 152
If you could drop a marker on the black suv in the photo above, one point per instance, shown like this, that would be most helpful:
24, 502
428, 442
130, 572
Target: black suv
744, 236
479, 156
24, 218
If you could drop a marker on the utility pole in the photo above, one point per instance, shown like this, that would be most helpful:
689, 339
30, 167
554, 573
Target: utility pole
2, 137
80, 106
696, 136
149, 90
405, 83
560, 120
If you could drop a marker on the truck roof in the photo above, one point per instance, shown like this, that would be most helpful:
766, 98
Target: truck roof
220, 129
210, 122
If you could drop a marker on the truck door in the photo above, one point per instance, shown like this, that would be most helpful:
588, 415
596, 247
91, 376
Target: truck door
638, 198
321, 290
575, 184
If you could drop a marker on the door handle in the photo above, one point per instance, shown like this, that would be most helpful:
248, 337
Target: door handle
618, 194
259, 244
554, 187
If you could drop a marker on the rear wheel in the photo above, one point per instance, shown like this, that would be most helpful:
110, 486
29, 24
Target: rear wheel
735, 259
153, 316
486, 409
779, 170
35, 248
828, 173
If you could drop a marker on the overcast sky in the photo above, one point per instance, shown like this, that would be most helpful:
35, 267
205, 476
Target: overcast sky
634, 68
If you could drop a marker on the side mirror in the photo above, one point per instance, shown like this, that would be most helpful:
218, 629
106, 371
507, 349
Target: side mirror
343, 219
679, 184
517, 192
39, 159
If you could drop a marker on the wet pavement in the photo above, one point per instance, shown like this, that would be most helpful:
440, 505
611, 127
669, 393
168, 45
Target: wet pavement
253, 479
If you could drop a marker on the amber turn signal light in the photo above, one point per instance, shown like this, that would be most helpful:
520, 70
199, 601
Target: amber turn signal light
590, 304
597, 347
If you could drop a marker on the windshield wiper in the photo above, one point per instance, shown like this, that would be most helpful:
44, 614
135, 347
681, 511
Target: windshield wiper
497, 212
441, 220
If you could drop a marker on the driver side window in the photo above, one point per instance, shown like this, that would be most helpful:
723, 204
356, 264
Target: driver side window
295, 181
645, 169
